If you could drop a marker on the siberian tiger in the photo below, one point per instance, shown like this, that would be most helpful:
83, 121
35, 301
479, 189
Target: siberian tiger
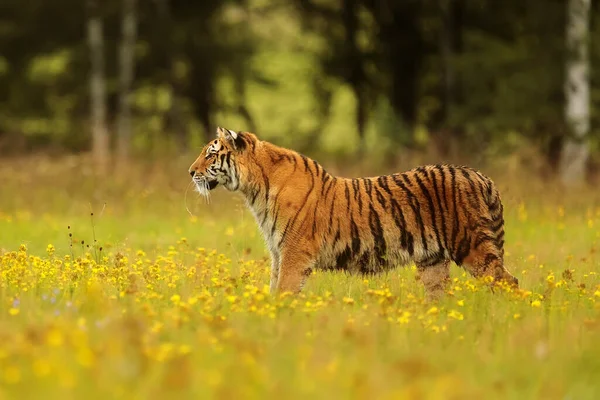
312, 219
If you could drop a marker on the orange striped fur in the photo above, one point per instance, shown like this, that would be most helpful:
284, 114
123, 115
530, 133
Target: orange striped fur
311, 219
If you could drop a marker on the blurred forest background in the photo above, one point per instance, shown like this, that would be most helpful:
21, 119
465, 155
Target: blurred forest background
471, 80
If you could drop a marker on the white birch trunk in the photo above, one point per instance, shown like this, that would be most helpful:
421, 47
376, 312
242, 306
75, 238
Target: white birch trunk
100, 139
126, 71
577, 94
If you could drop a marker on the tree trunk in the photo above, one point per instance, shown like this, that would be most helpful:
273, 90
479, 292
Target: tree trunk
577, 94
447, 50
100, 139
441, 132
356, 76
126, 71
175, 122
450, 43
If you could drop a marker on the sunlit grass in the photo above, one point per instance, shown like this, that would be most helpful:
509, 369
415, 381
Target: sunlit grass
164, 303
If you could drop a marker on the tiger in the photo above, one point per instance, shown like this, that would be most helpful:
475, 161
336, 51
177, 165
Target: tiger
310, 219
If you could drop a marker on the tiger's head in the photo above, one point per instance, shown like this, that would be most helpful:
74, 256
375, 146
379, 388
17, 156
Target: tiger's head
222, 161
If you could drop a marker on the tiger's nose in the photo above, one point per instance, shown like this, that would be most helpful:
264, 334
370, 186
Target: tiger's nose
192, 173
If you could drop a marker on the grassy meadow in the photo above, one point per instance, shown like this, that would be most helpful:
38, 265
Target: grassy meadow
160, 295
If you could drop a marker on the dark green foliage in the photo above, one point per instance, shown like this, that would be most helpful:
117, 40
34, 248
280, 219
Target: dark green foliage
468, 71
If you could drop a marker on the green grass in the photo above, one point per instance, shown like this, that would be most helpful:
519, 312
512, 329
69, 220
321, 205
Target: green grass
158, 314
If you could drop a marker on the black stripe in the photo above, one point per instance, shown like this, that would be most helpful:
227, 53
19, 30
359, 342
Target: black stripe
368, 187
305, 160
483, 237
406, 238
414, 205
482, 190
317, 166
471, 197
293, 159
441, 208
357, 196
494, 206
441, 168
422, 170
380, 197
354, 234
498, 240
275, 201
331, 184
455, 217
497, 225
324, 174
383, 182
431, 206
347, 193
378, 237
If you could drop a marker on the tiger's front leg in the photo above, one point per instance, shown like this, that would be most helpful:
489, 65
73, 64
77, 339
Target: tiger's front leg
275, 266
294, 270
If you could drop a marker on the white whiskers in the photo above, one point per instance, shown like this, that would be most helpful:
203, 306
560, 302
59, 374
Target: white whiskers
185, 199
203, 188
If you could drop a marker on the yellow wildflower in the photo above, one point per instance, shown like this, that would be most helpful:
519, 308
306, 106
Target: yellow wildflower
433, 311
456, 315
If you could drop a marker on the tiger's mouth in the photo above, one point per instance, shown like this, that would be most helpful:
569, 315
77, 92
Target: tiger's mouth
212, 184
204, 185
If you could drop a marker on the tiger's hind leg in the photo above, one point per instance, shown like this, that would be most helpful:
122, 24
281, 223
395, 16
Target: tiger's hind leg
486, 260
434, 277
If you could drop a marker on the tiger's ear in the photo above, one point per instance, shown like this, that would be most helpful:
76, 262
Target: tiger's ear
231, 137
